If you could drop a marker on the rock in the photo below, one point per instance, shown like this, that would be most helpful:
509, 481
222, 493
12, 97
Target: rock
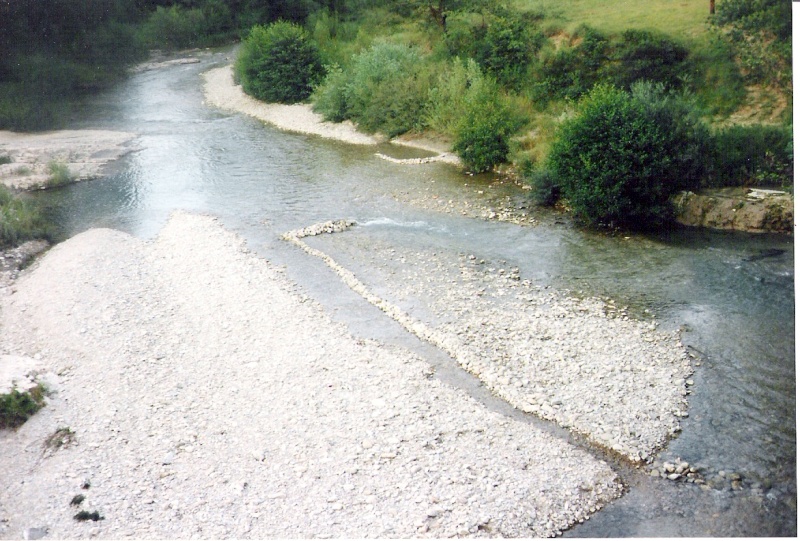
35, 533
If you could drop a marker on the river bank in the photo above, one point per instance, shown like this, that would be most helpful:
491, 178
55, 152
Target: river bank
142, 419
221, 91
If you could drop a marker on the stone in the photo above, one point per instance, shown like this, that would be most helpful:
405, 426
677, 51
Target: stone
35, 533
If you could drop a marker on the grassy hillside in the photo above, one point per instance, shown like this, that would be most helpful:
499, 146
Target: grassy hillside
682, 19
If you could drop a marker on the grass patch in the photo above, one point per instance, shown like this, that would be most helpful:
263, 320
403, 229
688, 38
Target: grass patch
60, 438
20, 220
678, 18
5, 159
17, 407
59, 174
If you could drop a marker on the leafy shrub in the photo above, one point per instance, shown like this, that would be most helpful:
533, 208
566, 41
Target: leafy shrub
623, 155
279, 63
644, 55
572, 71
634, 56
384, 89
506, 48
330, 98
376, 81
545, 189
174, 27
751, 155
446, 103
761, 33
484, 131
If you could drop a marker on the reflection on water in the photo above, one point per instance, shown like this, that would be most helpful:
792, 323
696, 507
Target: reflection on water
732, 293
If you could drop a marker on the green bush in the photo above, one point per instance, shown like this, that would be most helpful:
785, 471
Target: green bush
446, 103
761, 33
385, 89
330, 98
570, 72
279, 63
59, 174
17, 407
484, 130
622, 156
642, 55
505, 49
174, 27
545, 189
755, 155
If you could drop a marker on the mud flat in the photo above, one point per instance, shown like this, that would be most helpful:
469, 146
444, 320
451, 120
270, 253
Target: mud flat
196, 391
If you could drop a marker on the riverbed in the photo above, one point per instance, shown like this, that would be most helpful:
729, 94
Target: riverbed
730, 297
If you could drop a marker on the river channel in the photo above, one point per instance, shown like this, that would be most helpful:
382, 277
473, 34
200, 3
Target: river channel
731, 294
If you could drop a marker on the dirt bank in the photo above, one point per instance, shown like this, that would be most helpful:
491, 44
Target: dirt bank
737, 209
197, 392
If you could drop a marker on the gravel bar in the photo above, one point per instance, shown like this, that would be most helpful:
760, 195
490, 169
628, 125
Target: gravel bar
196, 392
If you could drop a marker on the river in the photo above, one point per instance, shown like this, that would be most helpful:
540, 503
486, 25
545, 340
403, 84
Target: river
732, 294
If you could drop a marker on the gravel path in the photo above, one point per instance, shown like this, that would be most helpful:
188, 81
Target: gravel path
199, 393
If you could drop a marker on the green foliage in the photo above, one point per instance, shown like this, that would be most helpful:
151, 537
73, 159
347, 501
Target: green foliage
178, 27
622, 156
384, 89
570, 72
376, 80
330, 98
484, 131
279, 63
503, 43
174, 27
17, 407
622, 60
446, 103
643, 55
761, 33
545, 189
19, 220
59, 174
755, 155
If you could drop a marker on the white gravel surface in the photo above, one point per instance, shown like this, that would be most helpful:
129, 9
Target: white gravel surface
207, 396
619, 381
222, 92
83, 152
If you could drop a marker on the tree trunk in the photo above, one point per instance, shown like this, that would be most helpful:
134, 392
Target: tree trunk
712, 7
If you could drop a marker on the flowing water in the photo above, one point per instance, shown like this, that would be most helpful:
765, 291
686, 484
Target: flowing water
732, 294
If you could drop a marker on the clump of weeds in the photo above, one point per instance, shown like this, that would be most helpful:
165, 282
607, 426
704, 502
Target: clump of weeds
17, 407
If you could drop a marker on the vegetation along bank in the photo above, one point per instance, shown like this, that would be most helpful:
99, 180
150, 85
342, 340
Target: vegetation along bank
705, 98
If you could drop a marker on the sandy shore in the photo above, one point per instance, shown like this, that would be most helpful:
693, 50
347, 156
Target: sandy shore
84, 153
222, 92
196, 392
